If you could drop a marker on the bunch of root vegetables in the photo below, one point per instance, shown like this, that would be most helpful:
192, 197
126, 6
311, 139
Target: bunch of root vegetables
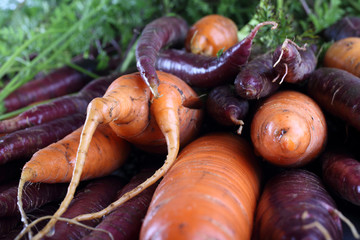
226, 143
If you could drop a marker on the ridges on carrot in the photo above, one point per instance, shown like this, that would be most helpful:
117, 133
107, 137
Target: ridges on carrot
132, 113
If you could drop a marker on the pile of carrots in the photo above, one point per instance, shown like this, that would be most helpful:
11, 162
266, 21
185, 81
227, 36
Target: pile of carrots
204, 139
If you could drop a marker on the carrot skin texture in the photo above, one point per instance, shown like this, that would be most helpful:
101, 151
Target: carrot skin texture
23, 143
210, 34
59, 107
341, 172
292, 63
203, 71
289, 129
95, 196
343, 54
209, 193
255, 79
35, 196
290, 202
348, 26
336, 91
226, 107
58, 83
124, 222
163, 31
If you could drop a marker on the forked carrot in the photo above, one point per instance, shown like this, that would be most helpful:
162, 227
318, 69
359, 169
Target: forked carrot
209, 193
148, 122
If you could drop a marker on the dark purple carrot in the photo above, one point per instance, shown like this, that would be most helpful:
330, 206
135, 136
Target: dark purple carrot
203, 71
255, 79
125, 221
57, 83
341, 173
293, 63
23, 143
343, 28
35, 196
295, 205
59, 107
226, 107
338, 92
92, 198
8, 223
161, 32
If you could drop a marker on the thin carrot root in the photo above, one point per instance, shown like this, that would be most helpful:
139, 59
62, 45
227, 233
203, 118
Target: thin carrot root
20, 204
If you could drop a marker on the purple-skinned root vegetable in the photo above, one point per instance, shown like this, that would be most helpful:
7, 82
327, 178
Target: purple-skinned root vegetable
348, 26
225, 107
336, 91
255, 79
295, 205
204, 71
341, 173
293, 63
160, 33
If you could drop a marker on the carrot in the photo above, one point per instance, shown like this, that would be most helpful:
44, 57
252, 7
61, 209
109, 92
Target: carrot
161, 32
293, 63
22, 144
204, 71
343, 54
209, 193
295, 205
211, 34
149, 123
226, 107
255, 79
57, 83
289, 129
55, 163
336, 91
58, 107
348, 26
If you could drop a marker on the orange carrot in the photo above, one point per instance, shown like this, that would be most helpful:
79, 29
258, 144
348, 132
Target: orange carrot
211, 34
344, 54
209, 193
135, 115
289, 129
55, 163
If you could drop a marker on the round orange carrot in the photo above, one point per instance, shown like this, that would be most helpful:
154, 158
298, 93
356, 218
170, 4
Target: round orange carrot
344, 54
155, 124
211, 34
209, 193
289, 129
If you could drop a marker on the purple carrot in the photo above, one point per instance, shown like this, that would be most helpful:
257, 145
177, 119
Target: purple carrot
57, 83
161, 32
23, 143
295, 205
125, 221
203, 71
343, 28
338, 92
255, 79
341, 173
293, 63
59, 107
35, 196
226, 107
8, 223
92, 198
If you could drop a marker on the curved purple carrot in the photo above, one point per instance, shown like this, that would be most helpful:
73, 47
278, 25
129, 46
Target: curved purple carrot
204, 71
59, 107
25, 142
226, 107
161, 32
255, 79
57, 83
341, 173
345, 27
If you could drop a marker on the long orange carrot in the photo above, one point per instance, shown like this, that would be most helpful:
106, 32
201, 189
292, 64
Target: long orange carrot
210, 192
150, 123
